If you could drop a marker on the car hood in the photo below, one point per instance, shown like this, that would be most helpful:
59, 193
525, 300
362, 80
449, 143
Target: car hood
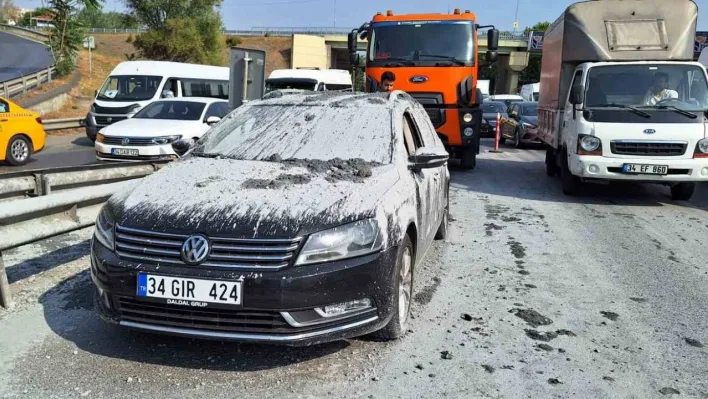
246, 199
151, 127
533, 120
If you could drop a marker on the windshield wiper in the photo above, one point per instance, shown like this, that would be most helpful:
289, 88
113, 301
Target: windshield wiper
445, 57
615, 105
673, 108
403, 61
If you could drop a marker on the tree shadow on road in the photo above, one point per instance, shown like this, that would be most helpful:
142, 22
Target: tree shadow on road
68, 310
83, 141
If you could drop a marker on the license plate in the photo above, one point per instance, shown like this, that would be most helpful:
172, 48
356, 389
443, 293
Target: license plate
645, 169
131, 152
188, 290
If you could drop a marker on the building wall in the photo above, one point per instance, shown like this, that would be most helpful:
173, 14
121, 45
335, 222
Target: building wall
309, 52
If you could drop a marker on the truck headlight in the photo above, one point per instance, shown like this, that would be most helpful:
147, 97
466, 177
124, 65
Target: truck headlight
104, 232
703, 146
467, 118
589, 143
342, 242
468, 132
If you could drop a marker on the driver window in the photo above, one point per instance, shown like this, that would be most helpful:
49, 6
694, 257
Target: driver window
4, 107
698, 92
321, 87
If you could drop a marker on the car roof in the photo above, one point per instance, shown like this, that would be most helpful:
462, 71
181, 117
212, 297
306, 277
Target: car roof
347, 99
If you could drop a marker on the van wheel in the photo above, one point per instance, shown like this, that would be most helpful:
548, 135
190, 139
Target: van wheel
551, 165
469, 158
402, 294
18, 151
682, 191
569, 182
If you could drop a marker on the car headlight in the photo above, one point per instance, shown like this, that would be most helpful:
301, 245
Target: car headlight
467, 118
99, 138
104, 232
342, 242
703, 146
589, 143
166, 139
134, 109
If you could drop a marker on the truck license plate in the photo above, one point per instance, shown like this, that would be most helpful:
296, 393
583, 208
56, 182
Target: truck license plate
187, 290
645, 169
130, 152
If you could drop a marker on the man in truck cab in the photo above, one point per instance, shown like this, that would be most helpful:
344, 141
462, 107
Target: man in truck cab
659, 90
387, 81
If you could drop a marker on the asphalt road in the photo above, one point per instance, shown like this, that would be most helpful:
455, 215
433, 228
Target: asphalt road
70, 150
592, 297
22, 56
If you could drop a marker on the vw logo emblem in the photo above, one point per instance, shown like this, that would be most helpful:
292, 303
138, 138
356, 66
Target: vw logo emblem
195, 249
649, 131
419, 79
126, 141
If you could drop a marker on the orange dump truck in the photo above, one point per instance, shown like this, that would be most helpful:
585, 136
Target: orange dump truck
434, 59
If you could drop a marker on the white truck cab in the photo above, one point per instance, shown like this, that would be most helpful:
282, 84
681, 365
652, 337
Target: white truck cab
626, 113
309, 79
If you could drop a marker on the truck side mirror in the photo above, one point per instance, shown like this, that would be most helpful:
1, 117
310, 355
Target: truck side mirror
352, 46
492, 40
491, 56
576, 94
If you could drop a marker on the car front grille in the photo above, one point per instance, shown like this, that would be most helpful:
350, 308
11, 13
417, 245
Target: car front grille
132, 141
104, 120
648, 148
238, 253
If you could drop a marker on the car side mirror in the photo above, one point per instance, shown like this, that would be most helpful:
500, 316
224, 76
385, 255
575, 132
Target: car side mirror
212, 120
428, 158
576, 94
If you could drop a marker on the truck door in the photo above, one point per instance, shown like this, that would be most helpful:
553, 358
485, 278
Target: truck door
568, 129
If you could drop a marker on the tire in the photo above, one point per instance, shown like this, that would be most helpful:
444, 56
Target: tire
551, 166
441, 234
469, 158
398, 325
19, 150
682, 191
517, 139
569, 182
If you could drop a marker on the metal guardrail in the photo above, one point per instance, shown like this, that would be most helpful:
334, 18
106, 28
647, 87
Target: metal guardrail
13, 87
59, 124
62, 200
28, 32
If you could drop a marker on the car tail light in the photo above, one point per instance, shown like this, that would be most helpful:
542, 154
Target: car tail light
39, 120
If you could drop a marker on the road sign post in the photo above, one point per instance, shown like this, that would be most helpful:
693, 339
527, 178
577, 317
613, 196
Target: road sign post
90, 43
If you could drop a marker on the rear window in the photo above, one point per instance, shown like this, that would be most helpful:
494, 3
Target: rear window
493, 108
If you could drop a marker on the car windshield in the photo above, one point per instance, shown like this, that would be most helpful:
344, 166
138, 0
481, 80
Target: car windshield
529, 110
174, 110
129, 88
493, 108
647, 86
422, 42
260, 131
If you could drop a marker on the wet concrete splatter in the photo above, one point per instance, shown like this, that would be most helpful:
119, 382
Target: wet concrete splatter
545, 347
490, 227
517, 249
554, 381
669, 391
532, 317
610, 315
694, 342
279, 182
541, 336
426, 294
640, 300
488, 368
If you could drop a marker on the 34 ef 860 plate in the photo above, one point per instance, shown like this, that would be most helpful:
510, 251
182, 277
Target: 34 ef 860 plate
645, 169
188, 289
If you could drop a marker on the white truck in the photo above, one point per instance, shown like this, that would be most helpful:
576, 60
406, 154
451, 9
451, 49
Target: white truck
621, 98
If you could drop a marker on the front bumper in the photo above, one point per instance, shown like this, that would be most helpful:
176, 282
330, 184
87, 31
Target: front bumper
104, 152
680, 170
270, 299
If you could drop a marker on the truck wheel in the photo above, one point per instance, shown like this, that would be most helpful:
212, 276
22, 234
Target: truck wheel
402, 294
682, 191
18, 151
551, 165
469, 158
569, 182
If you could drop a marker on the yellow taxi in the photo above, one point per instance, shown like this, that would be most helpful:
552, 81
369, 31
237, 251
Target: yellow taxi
21, 133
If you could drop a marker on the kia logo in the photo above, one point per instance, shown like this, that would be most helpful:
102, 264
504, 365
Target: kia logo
126, 141
195, 249
649, 131
419, 79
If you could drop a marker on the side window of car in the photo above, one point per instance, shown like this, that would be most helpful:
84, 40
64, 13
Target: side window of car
321, 87
170, 89
214, 110
411, 134
4, 107
425, 126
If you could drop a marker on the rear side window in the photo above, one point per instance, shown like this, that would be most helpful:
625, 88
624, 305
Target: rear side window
4, 107
205, 88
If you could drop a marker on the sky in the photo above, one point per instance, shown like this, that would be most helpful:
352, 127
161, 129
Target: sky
245, 14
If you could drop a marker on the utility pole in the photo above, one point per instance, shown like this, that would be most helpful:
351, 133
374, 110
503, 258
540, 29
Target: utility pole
516, 16
335, 14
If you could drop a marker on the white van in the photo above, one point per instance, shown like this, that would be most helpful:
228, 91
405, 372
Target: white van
507, 99
134, 84
309, 79
529, 92
483, 86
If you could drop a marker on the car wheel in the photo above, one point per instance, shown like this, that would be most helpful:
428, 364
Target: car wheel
19, 150
517, 139
402, 294
682, 191
442, 230
551, 166
469, 158
569, 182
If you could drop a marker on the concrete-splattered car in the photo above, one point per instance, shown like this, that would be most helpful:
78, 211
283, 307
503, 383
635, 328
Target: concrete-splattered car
297, 219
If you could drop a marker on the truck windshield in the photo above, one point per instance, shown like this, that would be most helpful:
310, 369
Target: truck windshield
647, 86
422, 43
129, 88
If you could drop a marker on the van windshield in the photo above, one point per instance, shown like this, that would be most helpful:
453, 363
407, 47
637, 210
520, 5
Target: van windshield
129, 88
290, 83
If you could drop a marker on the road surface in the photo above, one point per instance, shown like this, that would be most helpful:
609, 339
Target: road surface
71, 150
534, 295
22, 56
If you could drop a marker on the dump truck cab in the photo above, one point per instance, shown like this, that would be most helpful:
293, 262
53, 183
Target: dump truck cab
434, 58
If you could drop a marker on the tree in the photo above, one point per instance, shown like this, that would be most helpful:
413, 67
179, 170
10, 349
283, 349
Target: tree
67, 35
539, 27
25, 20
179, 30
7, 11
532, 73
96, 18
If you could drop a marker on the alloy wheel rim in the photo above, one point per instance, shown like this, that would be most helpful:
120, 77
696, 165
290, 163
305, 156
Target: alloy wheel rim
405, 288
19, 150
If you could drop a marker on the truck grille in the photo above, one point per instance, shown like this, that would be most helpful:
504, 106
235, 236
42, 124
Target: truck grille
104, 120
239, 253
648, 148
132, 141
